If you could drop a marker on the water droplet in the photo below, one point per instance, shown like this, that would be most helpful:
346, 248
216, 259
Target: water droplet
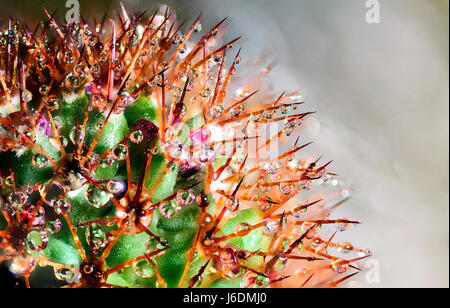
175, 149
68, 57
52, 103
345, 247
76, 135
264, 206
99, 101
198, 27
65, 274
72, 81
81, 71
169, 208
216, 111
96, 196
144, 268
120, 152
306, 226
62, 206
26, 96
63, 140
23, 264
160, 80
39, 160
96, 236
205, 155
52, 191
273, 225
202, 200
43, 89
137, 136
169, 134
233, 205
299, 212
123, 101
346, 193
286, 188
36, 240
88, 269
180, 110
54, 226
99, 126
342, 225
9, 181
18, 198
154, 247
339, 266
237, 110
106, 162
114, 187
185, 197
272, 168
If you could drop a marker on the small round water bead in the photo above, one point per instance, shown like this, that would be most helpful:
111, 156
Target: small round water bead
40, 160
253, 280
52, 103
95, 235
155, 247
339, 266
342, 225
114, 187
96, 197
106, 162
61, 206
137, 136
36, 240
120, 152
65, 274
54, 226
76, 135
169, 208
216, 111
18, 198
185, 197
144, 268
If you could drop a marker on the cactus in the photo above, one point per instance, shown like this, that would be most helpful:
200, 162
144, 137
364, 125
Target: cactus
126, 161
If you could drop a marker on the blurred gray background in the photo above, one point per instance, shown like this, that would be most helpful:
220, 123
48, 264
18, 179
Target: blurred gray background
381, 92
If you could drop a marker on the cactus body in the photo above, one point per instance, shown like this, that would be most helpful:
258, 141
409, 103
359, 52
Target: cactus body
126, 161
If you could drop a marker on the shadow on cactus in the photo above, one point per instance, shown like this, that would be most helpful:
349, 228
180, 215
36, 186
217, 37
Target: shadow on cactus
129, 160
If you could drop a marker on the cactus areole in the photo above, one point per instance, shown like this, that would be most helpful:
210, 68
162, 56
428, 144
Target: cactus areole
131, 156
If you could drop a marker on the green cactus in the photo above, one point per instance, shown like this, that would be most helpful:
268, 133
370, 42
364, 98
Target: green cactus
126, 162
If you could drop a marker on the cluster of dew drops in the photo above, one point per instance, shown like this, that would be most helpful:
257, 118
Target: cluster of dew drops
37, 236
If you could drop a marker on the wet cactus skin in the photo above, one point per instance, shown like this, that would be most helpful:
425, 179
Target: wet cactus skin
112, 173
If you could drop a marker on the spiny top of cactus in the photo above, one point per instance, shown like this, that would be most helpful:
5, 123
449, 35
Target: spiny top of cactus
126, 160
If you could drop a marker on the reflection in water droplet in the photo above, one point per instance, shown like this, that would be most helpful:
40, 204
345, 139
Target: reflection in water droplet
96, 236
185, 197
153, 246
120, 152
54, 226
96, 197
36, 240
339, 266
39, 160
143, 268
169, 208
